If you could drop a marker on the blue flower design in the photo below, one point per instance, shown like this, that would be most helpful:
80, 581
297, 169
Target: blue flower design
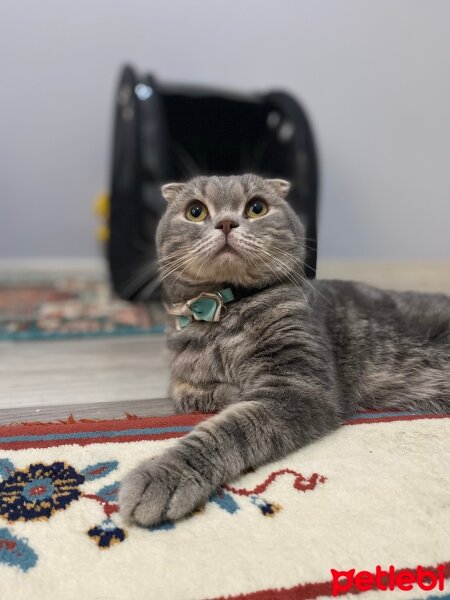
15, 552
98, 470
110, 493
225, 501
107, 534
268, 509
6, 468
38, 491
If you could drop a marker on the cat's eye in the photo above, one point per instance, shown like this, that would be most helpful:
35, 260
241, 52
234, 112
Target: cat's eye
196, 211
255, 208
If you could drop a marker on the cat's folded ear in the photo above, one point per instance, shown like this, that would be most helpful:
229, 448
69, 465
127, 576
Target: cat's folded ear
280, 186
170, 191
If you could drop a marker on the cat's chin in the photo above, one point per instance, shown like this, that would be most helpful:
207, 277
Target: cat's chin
227, 259
227, 250
229, 266
226, 265
227, 254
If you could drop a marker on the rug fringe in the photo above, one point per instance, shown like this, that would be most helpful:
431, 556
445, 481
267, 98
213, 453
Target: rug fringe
71, 420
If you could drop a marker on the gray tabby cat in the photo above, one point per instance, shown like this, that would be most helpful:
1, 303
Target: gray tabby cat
286, 363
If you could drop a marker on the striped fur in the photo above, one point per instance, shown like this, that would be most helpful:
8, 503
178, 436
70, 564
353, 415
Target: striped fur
284, 366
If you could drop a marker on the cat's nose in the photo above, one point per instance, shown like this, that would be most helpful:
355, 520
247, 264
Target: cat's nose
227, 226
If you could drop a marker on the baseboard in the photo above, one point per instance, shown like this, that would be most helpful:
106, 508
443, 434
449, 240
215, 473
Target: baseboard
427, 276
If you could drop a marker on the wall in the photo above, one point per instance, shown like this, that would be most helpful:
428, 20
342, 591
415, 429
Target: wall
373, 76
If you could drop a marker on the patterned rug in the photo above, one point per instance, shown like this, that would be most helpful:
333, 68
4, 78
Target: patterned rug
70, 307
375, 493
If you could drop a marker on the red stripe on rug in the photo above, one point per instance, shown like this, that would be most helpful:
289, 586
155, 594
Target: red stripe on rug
135, 425
88, 441
363, 420
311, 591
41, 429
107, 425
191, 419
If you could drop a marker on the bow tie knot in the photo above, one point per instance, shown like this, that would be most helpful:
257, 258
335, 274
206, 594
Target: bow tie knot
207, 306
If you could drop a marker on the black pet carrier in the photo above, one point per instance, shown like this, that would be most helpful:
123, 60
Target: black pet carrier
168, 133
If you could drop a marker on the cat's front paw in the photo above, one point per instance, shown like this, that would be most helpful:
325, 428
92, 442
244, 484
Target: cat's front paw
162, 488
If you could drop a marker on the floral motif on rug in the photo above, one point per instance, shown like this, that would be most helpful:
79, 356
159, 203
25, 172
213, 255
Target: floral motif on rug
279, 530
40, 490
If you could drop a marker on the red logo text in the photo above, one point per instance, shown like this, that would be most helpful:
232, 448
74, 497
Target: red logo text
391, 579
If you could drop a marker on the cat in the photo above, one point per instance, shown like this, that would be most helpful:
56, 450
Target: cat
285, 362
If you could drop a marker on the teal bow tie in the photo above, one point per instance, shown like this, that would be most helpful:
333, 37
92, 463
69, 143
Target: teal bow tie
207, 306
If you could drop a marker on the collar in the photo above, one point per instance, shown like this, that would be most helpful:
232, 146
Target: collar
207, 306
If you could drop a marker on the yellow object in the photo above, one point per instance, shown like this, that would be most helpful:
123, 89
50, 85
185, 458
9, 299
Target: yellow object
102, 209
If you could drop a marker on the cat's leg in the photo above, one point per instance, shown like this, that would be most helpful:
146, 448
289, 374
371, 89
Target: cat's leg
212, 397
276, 421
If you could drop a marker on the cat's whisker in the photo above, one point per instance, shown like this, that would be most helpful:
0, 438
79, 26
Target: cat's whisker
303, 241
291, 256
291, 279
297, 276
286, 271
175, 264
142, 273
255, 265
303, 279
165, 274
147, 271
181, 267
253, 261
201, 266
292, 275
305, 238
183, 270
196, 257
181, 251
301, 276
